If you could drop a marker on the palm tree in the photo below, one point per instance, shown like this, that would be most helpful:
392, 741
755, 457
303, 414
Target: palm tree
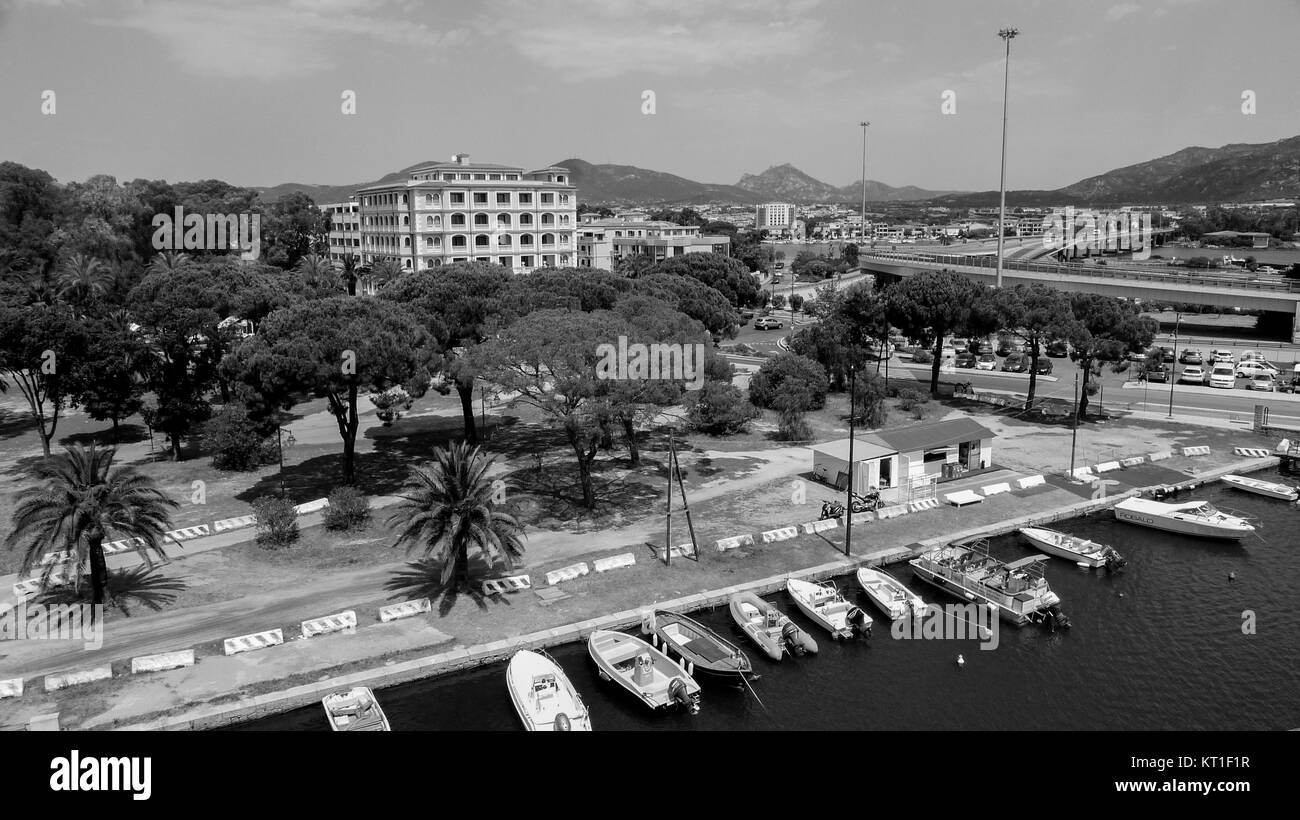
82, 501
448, 509
383, 272
83, 278
314, 268
169, 262
42, 286
350, 273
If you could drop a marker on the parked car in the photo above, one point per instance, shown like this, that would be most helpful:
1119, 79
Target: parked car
1192, 374
986, 361
1167, 355
965, 359
1191, 357
1252, 356
1221, 356
746, 316
1058, 349
948, 357
1044, 366
767, 323
1008, 347
1262, 381
1137, 356
1248, 369
1222, 376
1016, 363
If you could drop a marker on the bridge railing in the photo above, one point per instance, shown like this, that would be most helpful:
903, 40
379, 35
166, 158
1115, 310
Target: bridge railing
1090, 271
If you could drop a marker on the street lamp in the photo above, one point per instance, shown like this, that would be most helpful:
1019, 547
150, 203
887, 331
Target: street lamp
848, 502
1006, 34
863, 215
1178, 317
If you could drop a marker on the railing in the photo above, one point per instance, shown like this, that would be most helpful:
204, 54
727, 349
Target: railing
1088, 271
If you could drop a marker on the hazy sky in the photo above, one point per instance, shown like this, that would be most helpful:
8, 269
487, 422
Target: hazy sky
250, 92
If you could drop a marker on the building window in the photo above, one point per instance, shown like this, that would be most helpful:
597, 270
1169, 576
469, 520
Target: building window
526, 239
466, 176
480, 176
525, 198
437, 263
503, 220
457, 199
526, 261
548, 239
504, 261
458, 241
503, 200
503, 240
548, 219
494, 176
480, 220
484, 259
481, 241
564, 198
548, 199
480, 199
548, 261
458, 220
428, 200
564, 259
428, 222
525, 219
512, 177
448, 177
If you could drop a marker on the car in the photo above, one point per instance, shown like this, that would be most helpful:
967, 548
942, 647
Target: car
1262, 381
1222, 376
1044, 367
1252, 356
965, 359
1058, 349
986, 361
1156, 372
1249, 368
1192, 374
746, 316
1190, 356
767, 323
780, 265
1221, 356
1015, 363
1008, 347
1137, 356
1167, 355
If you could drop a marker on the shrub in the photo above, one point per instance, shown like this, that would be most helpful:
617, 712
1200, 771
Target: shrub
922, 357
719, 409
910, 397
277, 521
869, 408
793, 427
234, 441
796, 302
348, 509
390, 404
790, 374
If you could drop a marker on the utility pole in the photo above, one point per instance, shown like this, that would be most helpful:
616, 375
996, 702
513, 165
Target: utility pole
1074, 435
863, 215
848, 502
1178, 317
1006, 34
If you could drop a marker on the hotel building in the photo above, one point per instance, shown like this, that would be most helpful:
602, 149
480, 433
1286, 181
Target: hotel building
776, 218
345, 230
602, 242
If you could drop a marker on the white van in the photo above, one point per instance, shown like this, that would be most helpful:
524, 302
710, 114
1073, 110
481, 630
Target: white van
1223, 376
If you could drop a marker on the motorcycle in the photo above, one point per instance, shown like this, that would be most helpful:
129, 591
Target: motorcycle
832, 509
867, 503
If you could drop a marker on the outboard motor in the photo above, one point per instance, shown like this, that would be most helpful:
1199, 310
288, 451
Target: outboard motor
790, 637
562, 723
1056, 617
677, 691
1115, 562
860, 622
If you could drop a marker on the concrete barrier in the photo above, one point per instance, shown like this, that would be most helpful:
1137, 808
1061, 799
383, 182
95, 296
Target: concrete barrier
1082, 473
821, 526
781, 534
257, 640
1198, 450
1251, 452
963, 497
12, 688
679, 551
994, 489
923, 504
1134, 461
406, 609
860, 518
566, 573
237, 523
162, 661
114, 547
326, 624
56, 682
186, 533
1282, 446
735, 542
510, 583
1160, 455
1030, 481
1108, 466
623, 559
891, 512
311, 506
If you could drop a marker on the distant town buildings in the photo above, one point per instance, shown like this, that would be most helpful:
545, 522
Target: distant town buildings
602, 242
777, 218
460, 211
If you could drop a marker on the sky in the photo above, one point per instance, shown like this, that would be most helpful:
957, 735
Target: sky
253, 92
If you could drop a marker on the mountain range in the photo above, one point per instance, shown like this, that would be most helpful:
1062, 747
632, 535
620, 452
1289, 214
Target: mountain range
1236, 172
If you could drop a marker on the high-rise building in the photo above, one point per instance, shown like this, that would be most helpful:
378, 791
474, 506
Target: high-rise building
460, 211
775, 217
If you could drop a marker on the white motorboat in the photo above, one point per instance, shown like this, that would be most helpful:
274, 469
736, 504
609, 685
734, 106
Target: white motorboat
1266, 488
543, 695
824, 604
355, 710
1017, 591
769, 627
638, 667
888, 593
1189, 518
1079, 550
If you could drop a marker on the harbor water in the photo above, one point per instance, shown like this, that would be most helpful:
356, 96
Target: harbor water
1193, 634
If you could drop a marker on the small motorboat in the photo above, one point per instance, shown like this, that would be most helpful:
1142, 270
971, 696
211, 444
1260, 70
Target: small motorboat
1079, 550
825, 605
769, 627
1188, 518
355, 710
1285, 492
888, 593
701, 650
543, 695
643, 670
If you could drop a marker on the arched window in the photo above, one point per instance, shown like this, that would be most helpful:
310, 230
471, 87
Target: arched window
406, 241
458, 241
503, 220
480, 220
428, 200
437, 263
407, 264
481, 241
458, 220
548, 219
526, 239
525, 219
503, 240
548, 239
428, 222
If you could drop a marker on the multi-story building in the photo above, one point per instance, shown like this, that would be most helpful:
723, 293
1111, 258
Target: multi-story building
460, 211
345, 230
602, 242
775, 217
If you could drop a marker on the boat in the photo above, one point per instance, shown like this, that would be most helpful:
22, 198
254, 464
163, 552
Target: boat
1079, 550
888, 593
1267, 488
643, 670
543, 695
769, 627
1016, 590
701, 650
1189, 518
355, 710
826, 606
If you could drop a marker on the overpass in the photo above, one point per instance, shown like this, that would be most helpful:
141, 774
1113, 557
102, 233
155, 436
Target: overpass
1245, 291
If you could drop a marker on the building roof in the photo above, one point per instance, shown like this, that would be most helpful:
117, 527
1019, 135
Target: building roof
931, 436
1237, 233
863, 449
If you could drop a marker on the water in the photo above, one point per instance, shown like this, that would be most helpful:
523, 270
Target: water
1158, 646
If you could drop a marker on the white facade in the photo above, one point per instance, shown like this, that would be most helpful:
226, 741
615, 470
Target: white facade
602, 242
775, 217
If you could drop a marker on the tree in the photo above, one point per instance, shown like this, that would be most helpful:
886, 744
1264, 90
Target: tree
869, 408
350, 273
695, 299
1106, 327
31, 205
337, 348
235, 441
635, 265
720, 409
83, 279
796, 302
789, 373
550, 358
318, 275
82, 502
382, 272
1037, 313
931, 304
849, 255
726, 275
109, 381
447, 509
778, 301
42, 349
293, 227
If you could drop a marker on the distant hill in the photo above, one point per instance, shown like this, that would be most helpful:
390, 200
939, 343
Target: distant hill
788, 183
323, 194
630, 185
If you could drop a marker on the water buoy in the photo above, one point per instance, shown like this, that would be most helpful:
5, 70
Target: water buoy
1232, 576
961, 661
1121, 595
